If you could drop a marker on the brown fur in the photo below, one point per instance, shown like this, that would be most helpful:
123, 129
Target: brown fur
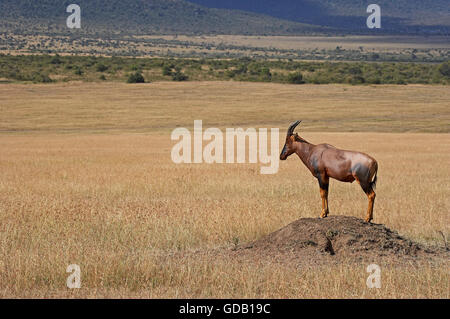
325, 161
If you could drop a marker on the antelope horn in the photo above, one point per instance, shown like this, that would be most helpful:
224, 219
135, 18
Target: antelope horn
292, 127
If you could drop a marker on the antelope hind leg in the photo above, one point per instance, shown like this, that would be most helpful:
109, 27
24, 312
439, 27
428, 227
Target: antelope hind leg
368, 190
371, 195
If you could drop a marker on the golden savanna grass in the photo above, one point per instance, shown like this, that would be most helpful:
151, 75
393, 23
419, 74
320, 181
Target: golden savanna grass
115, 204
160, 107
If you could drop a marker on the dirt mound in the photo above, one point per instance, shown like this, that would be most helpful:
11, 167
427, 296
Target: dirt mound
336, 237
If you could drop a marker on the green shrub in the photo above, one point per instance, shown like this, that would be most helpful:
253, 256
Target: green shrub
166, 70
101, 67
40, 78
295, 78
356, 79
14, 74
399, 80
230, 73
56, 60
355, 70
134, 67
78, 71
444, 69
265, 74
179, 76
241, 69
136, 77
374, 80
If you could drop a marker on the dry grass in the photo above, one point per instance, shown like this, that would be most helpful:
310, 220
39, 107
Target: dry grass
160, 107
116, 205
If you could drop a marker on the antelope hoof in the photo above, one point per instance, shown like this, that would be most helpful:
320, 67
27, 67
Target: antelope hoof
323, 215
368, 220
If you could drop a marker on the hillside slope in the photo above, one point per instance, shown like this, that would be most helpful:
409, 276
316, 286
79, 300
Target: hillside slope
414, 16
140, 17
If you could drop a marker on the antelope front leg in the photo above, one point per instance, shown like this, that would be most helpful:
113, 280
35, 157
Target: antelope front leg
324, 195
324, 183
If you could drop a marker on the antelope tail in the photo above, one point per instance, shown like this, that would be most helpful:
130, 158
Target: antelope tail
373, 184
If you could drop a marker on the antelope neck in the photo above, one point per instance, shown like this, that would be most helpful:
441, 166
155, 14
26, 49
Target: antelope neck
303, 149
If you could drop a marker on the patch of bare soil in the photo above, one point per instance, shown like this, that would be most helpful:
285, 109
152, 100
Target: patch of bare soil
334, 239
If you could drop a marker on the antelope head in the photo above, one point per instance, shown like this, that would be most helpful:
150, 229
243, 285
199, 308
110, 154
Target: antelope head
289, 148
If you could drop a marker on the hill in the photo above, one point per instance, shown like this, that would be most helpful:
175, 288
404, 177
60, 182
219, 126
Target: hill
412, 16
140, 17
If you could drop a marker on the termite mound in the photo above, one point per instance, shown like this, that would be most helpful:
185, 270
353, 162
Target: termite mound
314, 240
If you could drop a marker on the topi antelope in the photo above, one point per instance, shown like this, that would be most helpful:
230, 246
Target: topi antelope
325, 161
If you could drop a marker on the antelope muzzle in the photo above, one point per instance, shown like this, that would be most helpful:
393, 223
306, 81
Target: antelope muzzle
283, 155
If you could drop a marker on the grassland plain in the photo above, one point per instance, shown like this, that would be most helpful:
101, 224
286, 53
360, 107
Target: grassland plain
162, 106
350, 48
86, 178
